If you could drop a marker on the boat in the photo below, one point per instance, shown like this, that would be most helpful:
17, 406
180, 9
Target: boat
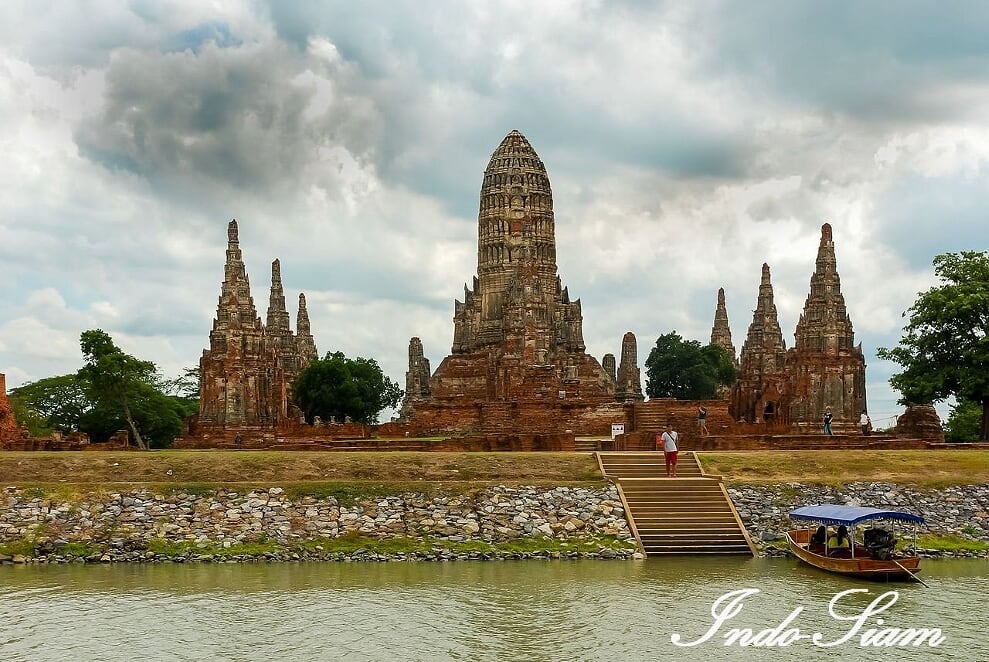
874, 557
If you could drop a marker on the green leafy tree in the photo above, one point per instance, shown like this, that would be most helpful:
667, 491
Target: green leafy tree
336, 386
116, 381
686, 370
185, 386
52, 403
944, 350
963, 422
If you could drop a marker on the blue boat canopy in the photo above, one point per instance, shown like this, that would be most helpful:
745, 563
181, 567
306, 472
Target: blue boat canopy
832, 513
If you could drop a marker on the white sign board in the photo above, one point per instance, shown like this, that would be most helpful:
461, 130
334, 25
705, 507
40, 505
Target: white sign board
617, 429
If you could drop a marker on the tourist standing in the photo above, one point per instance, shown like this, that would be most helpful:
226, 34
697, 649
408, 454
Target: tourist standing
670, 451
702, 420
827, 421
866, 424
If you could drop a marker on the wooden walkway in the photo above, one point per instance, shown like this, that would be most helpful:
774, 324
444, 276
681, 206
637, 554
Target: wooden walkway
690, 514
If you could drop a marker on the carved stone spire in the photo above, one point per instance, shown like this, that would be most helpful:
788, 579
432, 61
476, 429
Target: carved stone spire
628, 386
416, 378
824, 325
608, 363
721, 332
236, 305
827, 368
304, 340
231, 390
278, 320
761, 388
517, 286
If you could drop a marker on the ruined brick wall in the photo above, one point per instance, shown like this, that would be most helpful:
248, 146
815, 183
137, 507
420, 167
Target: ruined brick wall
920, 422
9, 431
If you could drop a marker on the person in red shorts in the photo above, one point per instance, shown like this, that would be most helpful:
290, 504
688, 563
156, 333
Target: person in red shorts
669, 440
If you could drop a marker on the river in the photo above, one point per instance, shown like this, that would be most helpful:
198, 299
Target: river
500, 610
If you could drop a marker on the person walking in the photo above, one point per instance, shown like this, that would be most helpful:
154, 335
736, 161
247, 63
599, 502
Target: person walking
828, 416
866, 424
702, 420
669, 439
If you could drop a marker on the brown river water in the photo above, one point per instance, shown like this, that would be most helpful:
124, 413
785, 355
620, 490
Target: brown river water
497, 610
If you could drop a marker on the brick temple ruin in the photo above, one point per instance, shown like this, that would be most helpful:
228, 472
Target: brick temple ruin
246, 374
824, 368
9, 430
512, 350
518, 366
518, 362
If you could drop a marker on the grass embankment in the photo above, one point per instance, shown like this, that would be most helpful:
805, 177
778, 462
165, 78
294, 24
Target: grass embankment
347, 476
927, 469
326, 472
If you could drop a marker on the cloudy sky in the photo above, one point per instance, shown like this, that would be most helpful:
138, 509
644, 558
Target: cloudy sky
687, 143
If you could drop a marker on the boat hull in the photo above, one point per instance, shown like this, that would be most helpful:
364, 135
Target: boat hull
861, 565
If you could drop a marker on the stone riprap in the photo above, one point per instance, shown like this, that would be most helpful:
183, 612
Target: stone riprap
123, 523
961, 510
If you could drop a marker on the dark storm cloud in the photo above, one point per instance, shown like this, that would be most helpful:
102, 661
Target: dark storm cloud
873, 60
190, 122
409, 51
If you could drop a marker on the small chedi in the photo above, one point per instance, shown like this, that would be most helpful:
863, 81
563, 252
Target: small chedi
518, 360
720, 331
825, 368
608, 363
247, 372
628, 386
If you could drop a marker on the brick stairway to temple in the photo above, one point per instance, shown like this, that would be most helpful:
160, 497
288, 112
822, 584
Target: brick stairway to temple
690, 514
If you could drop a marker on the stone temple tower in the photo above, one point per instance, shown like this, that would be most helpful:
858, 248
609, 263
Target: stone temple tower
759, 394
608, 363
245, 376
827, 368
517, 333
628, 386
721, 332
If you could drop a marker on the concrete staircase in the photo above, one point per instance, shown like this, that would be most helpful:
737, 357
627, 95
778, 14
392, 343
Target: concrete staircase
690, 514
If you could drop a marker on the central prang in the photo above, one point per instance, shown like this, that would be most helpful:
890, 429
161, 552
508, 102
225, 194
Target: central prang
517, 335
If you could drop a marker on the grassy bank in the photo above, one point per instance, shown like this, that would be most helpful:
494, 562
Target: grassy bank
386, 472
300, 472
919, 468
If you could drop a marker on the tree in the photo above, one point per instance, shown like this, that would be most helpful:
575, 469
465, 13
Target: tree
963, 422
944, 350
52, 403
115, 380
336, 386
683, 369
185, 386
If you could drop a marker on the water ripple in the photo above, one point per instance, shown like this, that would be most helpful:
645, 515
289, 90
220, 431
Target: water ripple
469, 611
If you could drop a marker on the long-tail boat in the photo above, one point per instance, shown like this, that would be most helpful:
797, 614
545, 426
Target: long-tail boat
874, 557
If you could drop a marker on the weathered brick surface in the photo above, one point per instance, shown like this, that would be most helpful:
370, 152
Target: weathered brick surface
8, 426
825, 368
518, 363
246, 374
